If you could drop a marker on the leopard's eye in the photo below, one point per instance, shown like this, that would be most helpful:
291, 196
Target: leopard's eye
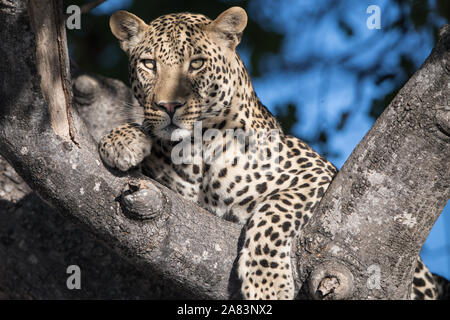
197, 64
150, 64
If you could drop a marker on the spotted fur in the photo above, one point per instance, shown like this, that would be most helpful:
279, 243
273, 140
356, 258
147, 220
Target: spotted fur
428, 286
184, 69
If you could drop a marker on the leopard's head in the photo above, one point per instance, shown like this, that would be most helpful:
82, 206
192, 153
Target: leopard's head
183, 67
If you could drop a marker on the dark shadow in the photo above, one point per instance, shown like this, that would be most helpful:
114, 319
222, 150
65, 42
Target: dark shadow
234, 283
37, 244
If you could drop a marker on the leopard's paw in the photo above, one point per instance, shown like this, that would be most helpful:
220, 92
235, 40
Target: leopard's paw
124, 147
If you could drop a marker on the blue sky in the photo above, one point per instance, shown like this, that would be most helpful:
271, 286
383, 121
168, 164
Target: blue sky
327, 89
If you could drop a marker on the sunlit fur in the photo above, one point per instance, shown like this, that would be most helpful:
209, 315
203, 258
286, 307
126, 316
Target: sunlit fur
275, 196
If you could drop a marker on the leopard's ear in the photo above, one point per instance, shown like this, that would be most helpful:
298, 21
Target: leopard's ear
128, 28
229, 25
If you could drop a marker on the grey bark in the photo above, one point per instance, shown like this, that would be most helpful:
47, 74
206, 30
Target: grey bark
171, 242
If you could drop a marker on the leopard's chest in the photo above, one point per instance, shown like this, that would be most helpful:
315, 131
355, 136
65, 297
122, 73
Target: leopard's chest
216, 186
184, 178
233, 187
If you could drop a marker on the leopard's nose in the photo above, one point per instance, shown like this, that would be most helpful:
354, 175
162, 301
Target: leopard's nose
170, 107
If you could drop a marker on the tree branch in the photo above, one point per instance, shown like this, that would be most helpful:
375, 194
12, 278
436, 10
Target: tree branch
53, 62
37, 245
170, 238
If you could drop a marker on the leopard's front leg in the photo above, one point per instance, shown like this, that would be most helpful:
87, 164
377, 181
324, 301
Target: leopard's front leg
265, 261
125, 147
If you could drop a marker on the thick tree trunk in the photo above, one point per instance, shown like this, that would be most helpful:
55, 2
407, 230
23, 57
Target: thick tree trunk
378, 210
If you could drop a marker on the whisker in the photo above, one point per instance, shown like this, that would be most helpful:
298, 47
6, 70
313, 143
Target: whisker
129, 112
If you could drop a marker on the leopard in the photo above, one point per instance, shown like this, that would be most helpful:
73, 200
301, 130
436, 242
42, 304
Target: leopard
188, 77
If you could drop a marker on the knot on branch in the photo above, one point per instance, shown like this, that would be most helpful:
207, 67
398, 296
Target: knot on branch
85, 89
330, 281
142, 200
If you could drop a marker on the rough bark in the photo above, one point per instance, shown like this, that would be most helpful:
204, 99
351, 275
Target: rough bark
178, 245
